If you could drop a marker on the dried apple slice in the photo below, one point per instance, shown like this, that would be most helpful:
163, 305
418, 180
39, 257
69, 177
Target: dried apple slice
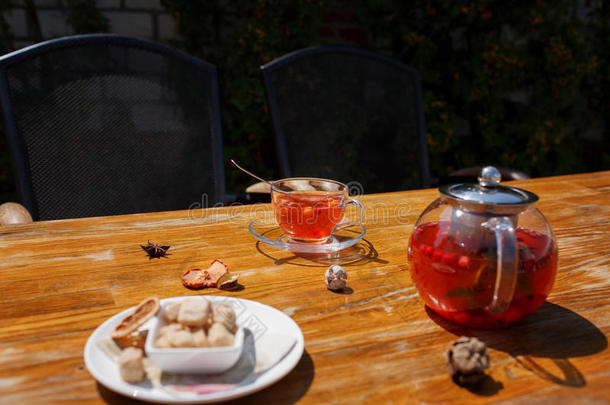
193, 278
216, 270
123, 334
198, 278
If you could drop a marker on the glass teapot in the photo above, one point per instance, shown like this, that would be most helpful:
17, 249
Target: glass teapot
483, 255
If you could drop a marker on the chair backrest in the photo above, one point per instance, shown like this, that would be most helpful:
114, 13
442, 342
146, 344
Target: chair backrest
103, 124
348, 114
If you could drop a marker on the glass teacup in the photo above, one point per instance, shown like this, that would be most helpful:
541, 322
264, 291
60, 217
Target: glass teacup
310, 210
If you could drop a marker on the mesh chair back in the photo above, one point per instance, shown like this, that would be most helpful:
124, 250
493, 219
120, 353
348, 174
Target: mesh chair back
348, 114
104, 125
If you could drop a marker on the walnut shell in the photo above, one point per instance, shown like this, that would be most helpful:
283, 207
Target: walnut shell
335, 278
467, 359
12, 213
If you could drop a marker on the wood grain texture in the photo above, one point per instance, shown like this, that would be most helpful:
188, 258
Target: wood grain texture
60, 279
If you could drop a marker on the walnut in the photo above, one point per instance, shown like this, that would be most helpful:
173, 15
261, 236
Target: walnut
335, 277
467, 359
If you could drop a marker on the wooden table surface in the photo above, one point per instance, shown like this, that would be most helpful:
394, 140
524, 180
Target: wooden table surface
59, 280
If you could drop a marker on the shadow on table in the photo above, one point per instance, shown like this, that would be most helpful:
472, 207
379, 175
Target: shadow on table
485, 388
288, 390
552, 332
111, 397
361, 253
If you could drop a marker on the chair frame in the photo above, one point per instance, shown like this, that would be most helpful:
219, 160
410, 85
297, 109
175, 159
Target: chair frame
269, 68
20, 164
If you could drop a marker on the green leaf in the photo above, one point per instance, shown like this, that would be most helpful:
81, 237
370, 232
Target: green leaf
460, 292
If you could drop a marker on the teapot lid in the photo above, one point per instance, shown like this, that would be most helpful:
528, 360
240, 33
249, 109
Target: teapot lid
488, 191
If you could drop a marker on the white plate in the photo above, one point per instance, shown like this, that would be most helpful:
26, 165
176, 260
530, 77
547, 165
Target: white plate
259, 318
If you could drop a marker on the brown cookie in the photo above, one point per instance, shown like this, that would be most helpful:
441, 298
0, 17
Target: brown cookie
143, 312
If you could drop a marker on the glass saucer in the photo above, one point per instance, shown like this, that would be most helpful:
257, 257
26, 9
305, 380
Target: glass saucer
271, 234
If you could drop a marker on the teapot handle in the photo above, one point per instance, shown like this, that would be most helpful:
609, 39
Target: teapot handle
507, 264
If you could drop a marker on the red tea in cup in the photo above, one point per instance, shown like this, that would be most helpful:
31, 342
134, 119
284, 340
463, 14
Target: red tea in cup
309, 210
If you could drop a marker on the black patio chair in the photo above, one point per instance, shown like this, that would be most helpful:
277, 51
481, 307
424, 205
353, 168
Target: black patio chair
349, 114
103, 124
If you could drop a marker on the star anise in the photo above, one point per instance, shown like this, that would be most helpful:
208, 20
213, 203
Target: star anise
154, 250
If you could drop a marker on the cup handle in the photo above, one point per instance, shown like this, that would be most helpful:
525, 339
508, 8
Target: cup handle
343, 225
507, 263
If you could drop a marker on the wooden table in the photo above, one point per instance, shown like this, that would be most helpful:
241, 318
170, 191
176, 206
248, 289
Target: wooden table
59, 280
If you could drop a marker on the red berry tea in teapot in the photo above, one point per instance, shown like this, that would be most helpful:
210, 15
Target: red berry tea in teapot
456, 278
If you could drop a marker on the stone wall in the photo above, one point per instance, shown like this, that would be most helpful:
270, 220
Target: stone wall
148, 20
135, 18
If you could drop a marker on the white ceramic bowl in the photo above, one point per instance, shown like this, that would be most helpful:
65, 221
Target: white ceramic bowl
192, 360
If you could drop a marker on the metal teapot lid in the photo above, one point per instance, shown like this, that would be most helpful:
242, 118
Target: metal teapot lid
488, 193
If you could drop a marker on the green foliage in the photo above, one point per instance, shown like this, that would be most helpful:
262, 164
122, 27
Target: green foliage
596, 85
85, 18
514, 83
6, 36
265, 30
509, 72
